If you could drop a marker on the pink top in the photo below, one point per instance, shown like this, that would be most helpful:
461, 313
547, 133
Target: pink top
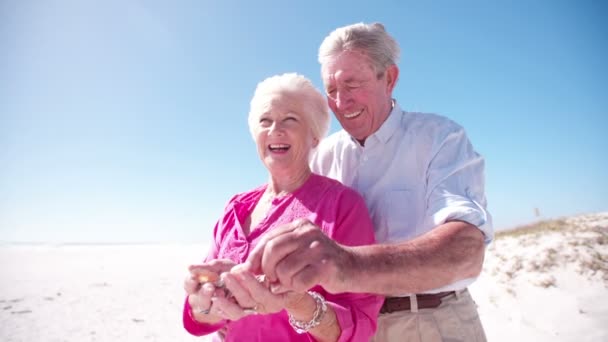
336, 209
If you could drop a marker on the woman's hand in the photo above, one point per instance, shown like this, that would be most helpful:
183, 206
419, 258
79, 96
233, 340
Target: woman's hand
251, 295
202, 285
220, 290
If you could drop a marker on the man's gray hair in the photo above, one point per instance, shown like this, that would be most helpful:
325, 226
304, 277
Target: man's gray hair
370, 39
314, 103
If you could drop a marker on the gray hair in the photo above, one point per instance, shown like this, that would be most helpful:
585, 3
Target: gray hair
313, 102
370, 39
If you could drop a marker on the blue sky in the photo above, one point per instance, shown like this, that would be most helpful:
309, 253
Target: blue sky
125, 121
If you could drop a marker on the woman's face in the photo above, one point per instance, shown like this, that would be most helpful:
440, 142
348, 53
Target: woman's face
283, 135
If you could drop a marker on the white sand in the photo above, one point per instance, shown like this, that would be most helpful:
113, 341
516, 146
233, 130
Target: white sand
94, 293
549, 286
534, 288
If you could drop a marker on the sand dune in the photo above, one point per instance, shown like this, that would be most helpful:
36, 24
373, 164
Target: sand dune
547, 282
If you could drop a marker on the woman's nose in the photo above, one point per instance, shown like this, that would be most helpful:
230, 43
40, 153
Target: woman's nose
276, 128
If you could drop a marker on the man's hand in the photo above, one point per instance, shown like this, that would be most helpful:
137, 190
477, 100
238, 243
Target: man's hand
298, 256
251, 294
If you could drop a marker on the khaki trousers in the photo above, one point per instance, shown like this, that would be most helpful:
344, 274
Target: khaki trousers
456, 319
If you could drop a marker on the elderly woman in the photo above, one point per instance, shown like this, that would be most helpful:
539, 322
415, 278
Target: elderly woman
288, 117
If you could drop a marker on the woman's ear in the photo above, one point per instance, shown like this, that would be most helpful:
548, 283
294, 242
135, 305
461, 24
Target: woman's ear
315, 142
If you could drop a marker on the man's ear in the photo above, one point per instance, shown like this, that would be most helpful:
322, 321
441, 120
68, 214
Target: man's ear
392, 75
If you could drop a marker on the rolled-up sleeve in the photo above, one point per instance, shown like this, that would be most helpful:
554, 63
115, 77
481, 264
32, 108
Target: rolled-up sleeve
456, 184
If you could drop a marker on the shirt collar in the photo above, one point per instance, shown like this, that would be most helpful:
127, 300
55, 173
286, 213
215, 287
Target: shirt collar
390, 125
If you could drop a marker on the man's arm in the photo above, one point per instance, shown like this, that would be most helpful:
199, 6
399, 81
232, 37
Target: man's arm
299, 256
452, 251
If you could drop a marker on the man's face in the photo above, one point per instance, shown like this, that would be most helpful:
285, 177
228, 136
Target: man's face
360, 99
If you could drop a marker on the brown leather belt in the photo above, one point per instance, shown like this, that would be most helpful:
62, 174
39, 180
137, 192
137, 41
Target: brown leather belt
425, 301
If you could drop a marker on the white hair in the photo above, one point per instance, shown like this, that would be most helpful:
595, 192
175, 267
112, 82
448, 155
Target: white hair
314, 103
370, 39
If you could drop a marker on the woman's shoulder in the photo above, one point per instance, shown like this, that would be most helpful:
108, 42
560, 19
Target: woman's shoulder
334, 188
248, 196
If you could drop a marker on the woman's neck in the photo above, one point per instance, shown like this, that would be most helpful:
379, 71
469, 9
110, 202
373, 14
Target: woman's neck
279, 185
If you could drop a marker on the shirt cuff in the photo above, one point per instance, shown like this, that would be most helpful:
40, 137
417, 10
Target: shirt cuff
470, 212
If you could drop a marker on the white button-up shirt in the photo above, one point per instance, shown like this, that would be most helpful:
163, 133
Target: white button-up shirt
415, 173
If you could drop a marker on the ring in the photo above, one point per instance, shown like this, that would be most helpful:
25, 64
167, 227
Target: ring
204, 312
249, 311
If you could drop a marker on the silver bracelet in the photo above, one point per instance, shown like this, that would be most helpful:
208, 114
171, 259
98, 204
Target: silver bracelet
302, 327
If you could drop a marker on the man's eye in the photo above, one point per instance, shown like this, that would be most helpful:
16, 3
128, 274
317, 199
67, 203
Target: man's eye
265, 122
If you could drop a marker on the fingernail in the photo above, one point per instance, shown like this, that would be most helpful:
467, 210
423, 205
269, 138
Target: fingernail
276, 288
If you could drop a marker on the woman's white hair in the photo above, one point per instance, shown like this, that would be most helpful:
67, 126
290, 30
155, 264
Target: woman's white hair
313, 102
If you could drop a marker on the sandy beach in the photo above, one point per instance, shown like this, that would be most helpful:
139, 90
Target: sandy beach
548, 284
94, 292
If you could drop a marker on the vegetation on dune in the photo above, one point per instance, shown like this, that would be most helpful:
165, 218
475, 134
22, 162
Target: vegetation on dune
540, 227
544, 246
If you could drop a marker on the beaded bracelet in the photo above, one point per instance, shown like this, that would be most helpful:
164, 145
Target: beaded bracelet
302, 327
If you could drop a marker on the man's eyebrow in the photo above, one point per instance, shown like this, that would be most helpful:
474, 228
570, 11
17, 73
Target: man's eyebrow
353, 79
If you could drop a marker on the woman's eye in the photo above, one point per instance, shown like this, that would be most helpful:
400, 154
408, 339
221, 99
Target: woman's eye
265, 122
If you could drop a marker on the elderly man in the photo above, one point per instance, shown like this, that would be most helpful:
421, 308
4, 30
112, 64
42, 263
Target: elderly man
423, 184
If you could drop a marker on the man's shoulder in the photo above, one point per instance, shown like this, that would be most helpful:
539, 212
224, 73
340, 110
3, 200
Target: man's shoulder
329, 147
339, 138
430, 120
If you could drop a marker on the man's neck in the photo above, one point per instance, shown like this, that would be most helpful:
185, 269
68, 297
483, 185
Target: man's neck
392, 106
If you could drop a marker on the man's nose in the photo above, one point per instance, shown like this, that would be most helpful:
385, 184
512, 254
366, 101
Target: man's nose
343, 98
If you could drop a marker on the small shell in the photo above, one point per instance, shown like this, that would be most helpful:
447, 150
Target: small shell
207, 277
